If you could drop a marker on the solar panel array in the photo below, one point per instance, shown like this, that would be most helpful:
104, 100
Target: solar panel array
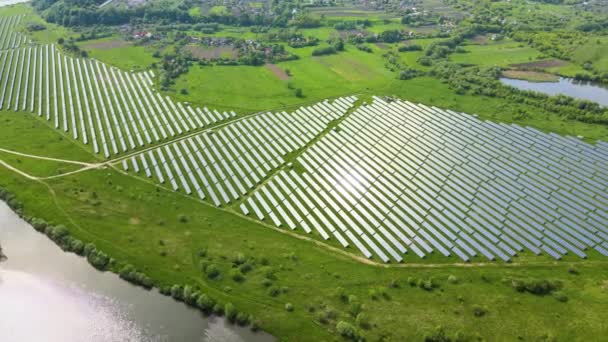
398, 177
9, 37
225, 164
113, 110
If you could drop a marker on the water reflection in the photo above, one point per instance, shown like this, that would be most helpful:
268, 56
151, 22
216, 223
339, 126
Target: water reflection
565, 86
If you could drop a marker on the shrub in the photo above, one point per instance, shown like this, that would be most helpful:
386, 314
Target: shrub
212, 271
177, 292
205, 303
98, 259
246, 267
242, 319
236, 275
76, 246
536, 286
347, 330
362, 320
218, 309
452, 279
130, 274
425, 284
39, 224
182, 218
479, 311
329, 50
239, 259
88, 248
274, 291
57, 233
230, 312
255, 324
560, 296
289, 307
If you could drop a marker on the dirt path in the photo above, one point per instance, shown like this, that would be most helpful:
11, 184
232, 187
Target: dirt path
46, 158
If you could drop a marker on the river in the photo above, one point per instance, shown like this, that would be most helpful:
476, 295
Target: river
49, 295
565, 86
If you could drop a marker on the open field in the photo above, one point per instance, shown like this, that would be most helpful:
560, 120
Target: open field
499, 54
117, 52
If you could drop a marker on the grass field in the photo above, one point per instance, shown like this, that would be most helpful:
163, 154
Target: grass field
594, 51
120, 53
496, 54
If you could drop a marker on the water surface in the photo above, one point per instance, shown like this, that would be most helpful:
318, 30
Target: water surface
565, 86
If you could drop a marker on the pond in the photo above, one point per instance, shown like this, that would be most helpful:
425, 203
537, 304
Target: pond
49, 295
566, 86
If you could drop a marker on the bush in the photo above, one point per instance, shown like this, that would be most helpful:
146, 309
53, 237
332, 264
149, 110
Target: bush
560, 296
130, 274
242, 319
452, 279
218, 309
177, 292
230, 312
289, 307
426, 284
347, 330
39, 224
364, 48
298, 92
76, 246
246, 267
274, 291
236, 275
212, 271
205, 303
413, 47
362, 320
98, 259
479, 311
539, 287
329, 50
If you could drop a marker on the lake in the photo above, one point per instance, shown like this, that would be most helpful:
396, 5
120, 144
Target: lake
49, 295
566, 86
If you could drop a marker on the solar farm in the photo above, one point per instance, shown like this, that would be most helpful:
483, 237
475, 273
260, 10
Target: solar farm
383, 179
395, 178
112, 110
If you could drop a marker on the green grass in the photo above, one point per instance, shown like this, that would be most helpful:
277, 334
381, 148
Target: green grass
26, 133
37, 167
126, 56
595, 50
498, 54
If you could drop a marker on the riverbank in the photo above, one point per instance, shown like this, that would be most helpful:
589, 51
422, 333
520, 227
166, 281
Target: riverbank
97, 304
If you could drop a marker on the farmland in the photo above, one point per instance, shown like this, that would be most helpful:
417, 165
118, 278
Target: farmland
332, 179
